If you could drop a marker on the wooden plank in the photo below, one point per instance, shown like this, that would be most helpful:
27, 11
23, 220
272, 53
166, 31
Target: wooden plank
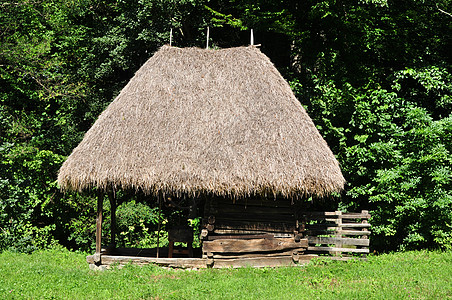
269, 254
256, 262
341, 232
241, 231
356, 216
320, 214
243, 237
337, 240
356, 225
344, 225
168, 262
256, 245
332, 214
334, 249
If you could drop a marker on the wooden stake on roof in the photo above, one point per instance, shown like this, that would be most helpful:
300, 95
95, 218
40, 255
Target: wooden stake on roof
171, 36
252, 38
207, 43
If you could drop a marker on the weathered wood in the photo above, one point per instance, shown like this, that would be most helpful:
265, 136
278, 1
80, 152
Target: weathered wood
254, 202
242, 231
241, 237
247, 225
100, 202
338, 221
337, 241
256, 262
168, 262
255, 245
204, 233
112, 199
355, 225
261, 210
333, 226
332, 214
258, 254
255, 217
333, 232
335, 249
211, 219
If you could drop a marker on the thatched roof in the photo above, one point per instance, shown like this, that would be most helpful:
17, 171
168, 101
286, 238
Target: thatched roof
205, 121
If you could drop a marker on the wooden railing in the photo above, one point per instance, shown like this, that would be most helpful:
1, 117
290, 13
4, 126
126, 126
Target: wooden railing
337, 233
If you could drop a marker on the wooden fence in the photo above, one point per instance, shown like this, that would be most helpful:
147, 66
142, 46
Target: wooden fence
336, 233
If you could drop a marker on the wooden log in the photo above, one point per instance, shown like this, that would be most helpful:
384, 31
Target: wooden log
334, 249
241, 237
241, 231
168, 262
256, 245
112, 199
256, 262
204, 233
269, 254
100, 202
336, 241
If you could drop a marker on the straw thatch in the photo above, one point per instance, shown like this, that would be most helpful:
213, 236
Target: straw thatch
205, 121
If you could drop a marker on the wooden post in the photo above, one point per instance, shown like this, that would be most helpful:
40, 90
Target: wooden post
100, 203
338, 229
364, 221
159, 199
112, 198
207, 43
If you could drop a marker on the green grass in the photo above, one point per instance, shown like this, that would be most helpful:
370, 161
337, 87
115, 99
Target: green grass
60, 274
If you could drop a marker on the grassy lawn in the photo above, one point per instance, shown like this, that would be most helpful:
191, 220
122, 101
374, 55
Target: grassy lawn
60, 274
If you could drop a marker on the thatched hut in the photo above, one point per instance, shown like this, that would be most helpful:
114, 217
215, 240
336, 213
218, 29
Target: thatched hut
222, 125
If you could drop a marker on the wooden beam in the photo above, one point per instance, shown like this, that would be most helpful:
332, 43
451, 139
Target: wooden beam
241, 237
112, 198
337, 241
100, 203
333, 232
255, 245
335, 250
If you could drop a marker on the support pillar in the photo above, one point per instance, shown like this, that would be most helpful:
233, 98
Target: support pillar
100, 203
112, 198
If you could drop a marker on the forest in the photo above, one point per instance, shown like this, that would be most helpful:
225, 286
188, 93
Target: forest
374, 75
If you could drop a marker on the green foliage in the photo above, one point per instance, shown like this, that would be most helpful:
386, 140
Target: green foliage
137, 226
58, 273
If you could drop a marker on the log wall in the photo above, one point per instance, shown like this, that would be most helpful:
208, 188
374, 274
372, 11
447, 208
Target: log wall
251, 230
266, 228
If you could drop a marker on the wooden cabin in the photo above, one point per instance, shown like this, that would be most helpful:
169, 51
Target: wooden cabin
222, 125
